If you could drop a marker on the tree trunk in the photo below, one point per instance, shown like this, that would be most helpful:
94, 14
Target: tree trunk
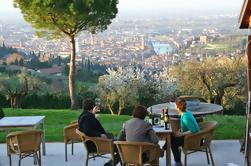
72, 74
206, 83
15, 101
121, 105
218, 99
110, 109
12, 101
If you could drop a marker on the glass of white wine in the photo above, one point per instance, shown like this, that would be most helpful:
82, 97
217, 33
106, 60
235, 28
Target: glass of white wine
98, 103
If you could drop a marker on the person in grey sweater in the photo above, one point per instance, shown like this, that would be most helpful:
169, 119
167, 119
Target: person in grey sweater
139, 130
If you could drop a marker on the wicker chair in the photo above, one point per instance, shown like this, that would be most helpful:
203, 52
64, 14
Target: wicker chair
131, 152
70, 136
200, 141
24, 144
175, 122
103, 147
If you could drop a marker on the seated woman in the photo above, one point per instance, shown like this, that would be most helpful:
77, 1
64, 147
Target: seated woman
137, 129
188, 125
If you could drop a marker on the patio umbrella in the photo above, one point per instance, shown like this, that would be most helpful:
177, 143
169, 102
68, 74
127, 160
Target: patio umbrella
248, 54
245, 23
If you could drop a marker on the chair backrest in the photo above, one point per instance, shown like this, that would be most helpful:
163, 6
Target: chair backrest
201, 139
74, 121
102, 145
131, 152
70, 132
175, 122
24, 141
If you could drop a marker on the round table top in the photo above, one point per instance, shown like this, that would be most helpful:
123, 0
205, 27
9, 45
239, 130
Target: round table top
201, 110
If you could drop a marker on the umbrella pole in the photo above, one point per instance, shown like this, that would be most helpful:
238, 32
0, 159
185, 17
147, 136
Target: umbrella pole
247, 140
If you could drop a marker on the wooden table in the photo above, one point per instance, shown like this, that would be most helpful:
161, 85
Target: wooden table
165, 135
24, 122
203, 109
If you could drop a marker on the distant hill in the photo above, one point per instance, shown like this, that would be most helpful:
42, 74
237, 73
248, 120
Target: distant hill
4, 51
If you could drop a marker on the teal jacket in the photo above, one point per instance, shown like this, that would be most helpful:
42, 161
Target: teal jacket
188, 122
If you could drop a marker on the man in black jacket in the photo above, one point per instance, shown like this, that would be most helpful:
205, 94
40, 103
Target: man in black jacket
89, 125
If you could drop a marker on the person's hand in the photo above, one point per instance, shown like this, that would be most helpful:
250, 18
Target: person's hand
179, 134
103, 136
96, 109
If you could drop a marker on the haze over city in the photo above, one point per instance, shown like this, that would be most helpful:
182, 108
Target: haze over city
153, 7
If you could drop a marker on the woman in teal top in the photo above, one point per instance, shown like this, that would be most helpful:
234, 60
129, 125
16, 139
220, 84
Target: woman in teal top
188, 125
188, 122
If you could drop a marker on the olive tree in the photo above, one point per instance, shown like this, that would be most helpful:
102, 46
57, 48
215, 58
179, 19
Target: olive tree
211, 78
17, 87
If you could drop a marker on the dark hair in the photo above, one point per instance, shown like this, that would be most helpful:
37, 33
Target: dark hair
180, 100
139, 112
88, 105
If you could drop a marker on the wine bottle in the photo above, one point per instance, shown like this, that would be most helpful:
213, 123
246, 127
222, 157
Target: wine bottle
162, 118
151, 115
166, 119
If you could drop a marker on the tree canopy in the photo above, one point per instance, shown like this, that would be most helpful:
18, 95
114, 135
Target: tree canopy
213, 78
66, 18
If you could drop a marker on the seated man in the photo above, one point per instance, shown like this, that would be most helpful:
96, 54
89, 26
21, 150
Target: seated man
188, 125
89, 125
137, 129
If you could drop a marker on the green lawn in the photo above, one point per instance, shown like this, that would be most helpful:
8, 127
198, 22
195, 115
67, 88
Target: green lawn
216, 46
230, 127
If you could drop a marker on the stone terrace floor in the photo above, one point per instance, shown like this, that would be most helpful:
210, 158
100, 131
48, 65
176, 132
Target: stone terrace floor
225, 153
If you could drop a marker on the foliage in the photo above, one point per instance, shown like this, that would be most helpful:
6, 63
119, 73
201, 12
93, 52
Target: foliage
85, 90
65, 18
118, 85
87, 75
17, 87
3, 101
131, 85
6, 50
46, 101
216, 79
37, 64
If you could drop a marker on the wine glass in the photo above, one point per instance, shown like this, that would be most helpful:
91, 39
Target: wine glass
98, 103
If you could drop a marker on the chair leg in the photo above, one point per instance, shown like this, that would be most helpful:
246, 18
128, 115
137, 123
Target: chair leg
211, 155
207, 156
185, 159
36, 158
10, 159
65, 150
40, 159
113, 162
87, 158
72, 147
19, 161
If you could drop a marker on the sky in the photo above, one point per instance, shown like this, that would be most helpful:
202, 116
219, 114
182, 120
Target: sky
127, 7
